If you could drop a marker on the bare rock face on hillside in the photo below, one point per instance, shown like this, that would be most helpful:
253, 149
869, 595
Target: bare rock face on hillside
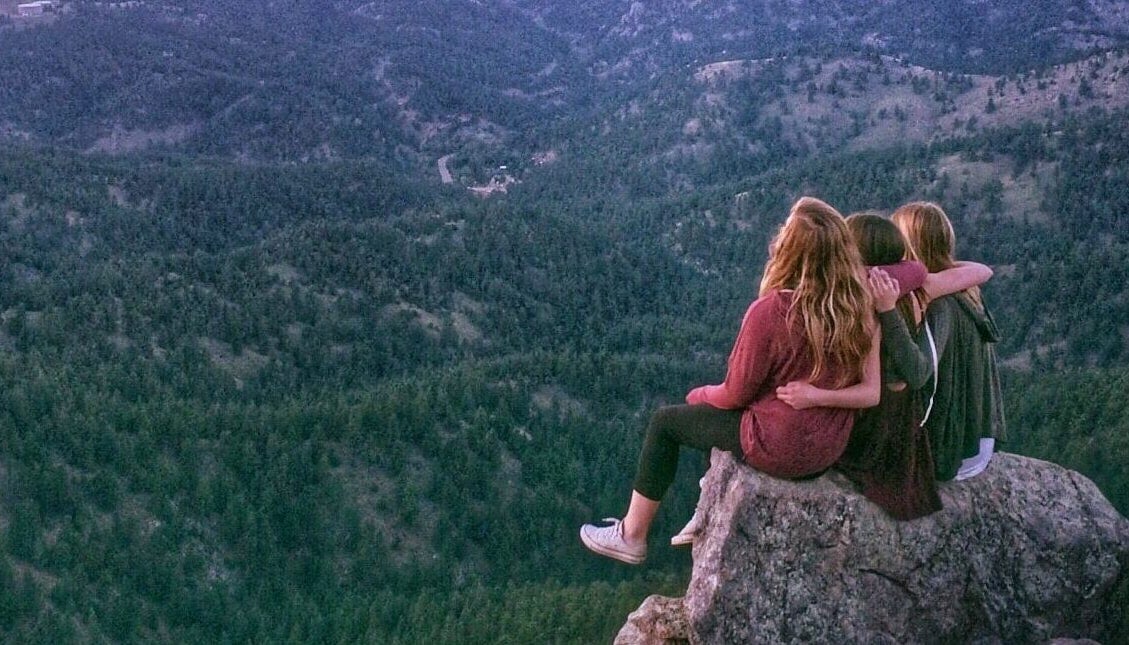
1027, 552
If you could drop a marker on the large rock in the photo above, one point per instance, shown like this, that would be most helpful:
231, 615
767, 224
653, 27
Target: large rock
1026, 552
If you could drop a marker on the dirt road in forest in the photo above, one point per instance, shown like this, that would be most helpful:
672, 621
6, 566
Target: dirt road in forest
444, 172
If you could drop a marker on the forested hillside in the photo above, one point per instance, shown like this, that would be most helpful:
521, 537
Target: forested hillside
267, 378
404, 82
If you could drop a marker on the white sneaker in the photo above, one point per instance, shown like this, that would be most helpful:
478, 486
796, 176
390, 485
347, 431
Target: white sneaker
609, 541
690, 532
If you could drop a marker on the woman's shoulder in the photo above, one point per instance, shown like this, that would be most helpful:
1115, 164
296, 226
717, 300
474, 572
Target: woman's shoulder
769, 305
775, 300
978, 314
956, 304
964, 317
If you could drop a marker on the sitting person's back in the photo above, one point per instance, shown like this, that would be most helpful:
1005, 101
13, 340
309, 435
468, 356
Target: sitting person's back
967, 418
968, 405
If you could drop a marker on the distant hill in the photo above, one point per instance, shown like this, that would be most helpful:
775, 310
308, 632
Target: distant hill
496, 82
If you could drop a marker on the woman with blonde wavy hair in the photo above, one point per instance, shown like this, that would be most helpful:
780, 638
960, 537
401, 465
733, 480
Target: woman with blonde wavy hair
967, 417
813, 321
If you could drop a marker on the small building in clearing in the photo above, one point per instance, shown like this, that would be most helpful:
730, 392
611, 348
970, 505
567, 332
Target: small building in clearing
31, 9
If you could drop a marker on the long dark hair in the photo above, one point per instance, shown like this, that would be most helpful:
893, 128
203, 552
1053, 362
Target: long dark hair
880, 242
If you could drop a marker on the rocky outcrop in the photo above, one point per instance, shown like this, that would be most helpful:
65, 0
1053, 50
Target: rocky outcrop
1027, 552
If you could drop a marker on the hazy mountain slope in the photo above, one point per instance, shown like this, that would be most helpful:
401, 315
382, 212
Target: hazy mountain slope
299, 81
879, 102
956, 35
406, 82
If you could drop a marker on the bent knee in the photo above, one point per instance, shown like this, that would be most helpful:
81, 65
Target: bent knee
667, 416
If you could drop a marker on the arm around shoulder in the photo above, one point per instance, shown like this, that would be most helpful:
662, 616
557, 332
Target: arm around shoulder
963, 275
864, 394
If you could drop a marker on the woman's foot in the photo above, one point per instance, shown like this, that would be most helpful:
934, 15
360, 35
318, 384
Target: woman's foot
609, 541
690, 532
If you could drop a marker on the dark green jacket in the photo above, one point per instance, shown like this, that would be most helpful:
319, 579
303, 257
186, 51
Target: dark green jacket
902, 358
967, 404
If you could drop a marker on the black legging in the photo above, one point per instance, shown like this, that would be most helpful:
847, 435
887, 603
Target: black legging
701, 427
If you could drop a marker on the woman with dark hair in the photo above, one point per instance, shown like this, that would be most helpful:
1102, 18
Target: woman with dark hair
967, 419
813, 320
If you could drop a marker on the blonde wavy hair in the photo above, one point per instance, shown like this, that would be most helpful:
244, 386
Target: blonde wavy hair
931, 239
814, 255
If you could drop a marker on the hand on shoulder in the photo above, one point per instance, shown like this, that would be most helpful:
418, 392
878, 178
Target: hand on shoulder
884, 289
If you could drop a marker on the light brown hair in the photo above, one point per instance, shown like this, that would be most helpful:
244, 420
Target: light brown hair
930, 235
814, 255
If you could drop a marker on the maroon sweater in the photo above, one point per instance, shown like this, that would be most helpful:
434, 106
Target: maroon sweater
769, 352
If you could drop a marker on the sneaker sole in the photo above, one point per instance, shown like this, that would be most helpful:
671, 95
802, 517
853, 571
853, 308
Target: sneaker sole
628, 558
682, 540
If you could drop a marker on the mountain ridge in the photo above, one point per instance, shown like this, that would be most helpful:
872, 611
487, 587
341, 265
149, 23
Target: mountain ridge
308, 82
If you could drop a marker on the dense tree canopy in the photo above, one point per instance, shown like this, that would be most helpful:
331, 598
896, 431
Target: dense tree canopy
264, 378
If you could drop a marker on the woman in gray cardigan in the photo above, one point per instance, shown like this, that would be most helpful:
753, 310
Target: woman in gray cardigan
967, 416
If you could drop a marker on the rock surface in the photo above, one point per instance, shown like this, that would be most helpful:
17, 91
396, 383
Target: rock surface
1027, 552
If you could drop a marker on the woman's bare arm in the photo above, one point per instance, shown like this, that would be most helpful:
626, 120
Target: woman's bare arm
864, 394
963, 275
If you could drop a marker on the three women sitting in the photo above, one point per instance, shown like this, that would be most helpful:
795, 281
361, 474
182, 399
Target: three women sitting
807, 356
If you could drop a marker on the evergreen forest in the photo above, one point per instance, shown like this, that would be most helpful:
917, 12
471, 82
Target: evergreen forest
265, 376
